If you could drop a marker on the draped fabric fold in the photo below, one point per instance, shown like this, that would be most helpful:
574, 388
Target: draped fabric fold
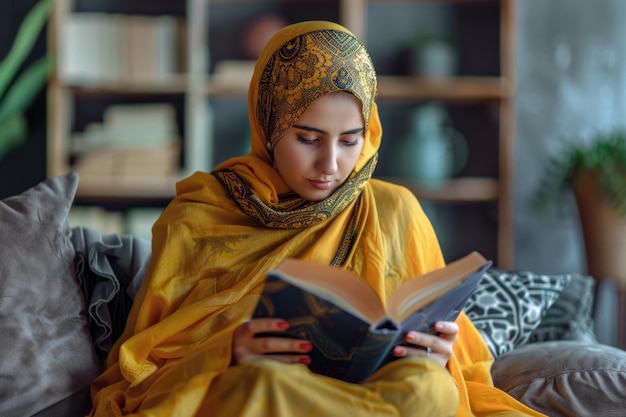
214, 244
109, 269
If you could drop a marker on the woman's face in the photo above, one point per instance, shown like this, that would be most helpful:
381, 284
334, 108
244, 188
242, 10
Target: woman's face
318, 153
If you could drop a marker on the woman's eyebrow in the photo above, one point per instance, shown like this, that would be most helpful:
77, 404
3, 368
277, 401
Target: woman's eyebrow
314, 129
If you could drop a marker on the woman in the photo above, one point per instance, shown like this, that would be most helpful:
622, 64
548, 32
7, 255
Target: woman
304, 191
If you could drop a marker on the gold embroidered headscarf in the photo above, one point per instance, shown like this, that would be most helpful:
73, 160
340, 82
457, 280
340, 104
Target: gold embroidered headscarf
306, 67
300, 63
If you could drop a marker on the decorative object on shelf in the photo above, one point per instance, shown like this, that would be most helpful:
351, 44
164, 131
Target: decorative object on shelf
596, 173
432, 152
258, 33
17, 91
434, 56
235, 72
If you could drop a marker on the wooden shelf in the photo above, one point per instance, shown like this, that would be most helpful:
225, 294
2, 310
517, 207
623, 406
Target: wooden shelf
462, 190
172, 85
390, 88
451, 89
459, 190
128, 188
401, 88
217, 89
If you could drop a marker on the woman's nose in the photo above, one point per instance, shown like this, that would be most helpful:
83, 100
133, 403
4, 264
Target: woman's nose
327, 160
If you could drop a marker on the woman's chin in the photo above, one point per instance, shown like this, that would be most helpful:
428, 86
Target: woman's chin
315, 195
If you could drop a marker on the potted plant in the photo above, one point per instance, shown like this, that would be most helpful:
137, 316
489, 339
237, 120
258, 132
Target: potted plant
19, 89
604, 157
596, 173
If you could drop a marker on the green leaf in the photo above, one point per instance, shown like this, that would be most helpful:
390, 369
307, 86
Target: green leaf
604, 156
26, 36
12, 133
26, 87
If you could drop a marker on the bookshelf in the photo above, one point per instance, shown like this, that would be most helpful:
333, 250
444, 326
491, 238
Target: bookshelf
202, 33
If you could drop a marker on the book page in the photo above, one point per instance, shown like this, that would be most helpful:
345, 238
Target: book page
348, 291
421, 291
340, 286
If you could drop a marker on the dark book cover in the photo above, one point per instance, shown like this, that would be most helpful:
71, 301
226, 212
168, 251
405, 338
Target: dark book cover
346, 346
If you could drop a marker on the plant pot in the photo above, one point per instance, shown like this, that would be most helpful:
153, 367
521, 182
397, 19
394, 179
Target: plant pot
604, 232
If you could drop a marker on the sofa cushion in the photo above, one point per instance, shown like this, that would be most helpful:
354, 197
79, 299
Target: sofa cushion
565, 379
571, 315
45, 349
508, 306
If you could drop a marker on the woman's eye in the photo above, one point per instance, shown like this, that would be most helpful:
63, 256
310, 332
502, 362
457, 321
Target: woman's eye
307, 141
351, 142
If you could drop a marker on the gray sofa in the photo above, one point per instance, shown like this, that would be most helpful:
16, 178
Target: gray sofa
65, 292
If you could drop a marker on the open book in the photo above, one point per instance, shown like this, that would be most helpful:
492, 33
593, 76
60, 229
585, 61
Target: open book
340, 314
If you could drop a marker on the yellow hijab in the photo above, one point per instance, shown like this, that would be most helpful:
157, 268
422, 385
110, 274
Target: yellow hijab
215, 242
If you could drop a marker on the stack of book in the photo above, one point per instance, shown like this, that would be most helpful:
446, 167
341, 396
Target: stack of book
94, 217
98, 47
134, 141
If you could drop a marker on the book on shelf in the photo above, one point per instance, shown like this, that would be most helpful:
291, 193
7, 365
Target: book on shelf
94, 217
352, 333
133, 140
150, 47
96, 47
89, 48
158, 161
234, 72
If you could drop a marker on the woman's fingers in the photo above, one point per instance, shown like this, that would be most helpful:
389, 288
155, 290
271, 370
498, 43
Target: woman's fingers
286, 358
260, 339
267, 325
447, 329
435, 346
270, 344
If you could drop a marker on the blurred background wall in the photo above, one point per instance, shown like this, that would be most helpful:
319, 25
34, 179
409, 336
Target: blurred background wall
571, 82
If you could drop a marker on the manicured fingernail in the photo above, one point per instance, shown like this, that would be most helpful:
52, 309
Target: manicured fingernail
410, 336
282, 325
306, 346
399, 351
305, 360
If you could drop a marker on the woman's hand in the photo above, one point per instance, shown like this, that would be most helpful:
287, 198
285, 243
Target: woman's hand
436, 347
248, 348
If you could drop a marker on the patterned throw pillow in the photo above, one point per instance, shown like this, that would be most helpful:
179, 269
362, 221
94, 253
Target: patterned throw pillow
508, 306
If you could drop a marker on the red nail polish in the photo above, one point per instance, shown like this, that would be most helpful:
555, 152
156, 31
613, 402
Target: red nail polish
282, 325
305, 361
306, 346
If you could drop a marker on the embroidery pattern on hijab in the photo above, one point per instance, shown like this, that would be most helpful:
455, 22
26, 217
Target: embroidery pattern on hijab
307, 67
293, 212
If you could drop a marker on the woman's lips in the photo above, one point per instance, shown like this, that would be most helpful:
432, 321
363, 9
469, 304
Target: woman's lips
321, 185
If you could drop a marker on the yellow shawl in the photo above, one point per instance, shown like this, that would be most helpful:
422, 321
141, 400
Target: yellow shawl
214, 243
